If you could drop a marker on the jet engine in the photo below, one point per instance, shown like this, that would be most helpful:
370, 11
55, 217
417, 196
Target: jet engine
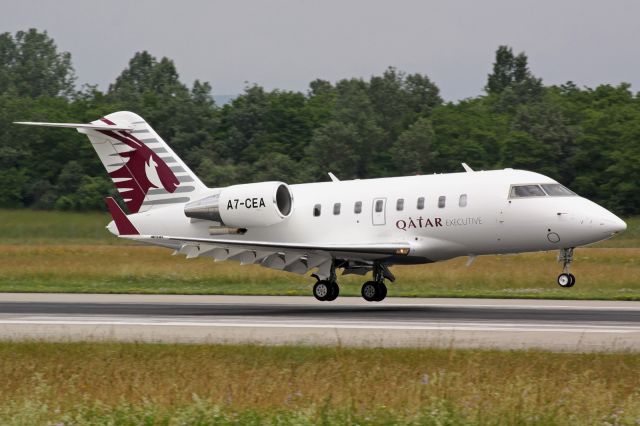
244, 206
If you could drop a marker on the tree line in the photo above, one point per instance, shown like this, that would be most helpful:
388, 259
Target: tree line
388, 125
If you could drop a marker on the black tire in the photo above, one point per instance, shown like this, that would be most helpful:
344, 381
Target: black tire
321, 290
333, 294
382, 292
370, 291
573, 280
564, 280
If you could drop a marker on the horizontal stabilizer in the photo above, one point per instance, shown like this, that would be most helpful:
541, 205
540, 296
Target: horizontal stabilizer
76, 125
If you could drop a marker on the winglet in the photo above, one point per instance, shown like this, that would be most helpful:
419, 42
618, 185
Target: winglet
124, 225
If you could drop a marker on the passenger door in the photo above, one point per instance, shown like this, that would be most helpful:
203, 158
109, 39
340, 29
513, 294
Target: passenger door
378, 211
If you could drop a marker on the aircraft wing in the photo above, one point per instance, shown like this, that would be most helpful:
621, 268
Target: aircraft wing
292, 257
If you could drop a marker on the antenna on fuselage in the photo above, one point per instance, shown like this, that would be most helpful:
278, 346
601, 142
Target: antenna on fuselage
466, 168
333, 177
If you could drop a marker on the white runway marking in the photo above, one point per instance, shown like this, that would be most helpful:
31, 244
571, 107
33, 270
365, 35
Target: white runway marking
515, 306
499, 323
280, 324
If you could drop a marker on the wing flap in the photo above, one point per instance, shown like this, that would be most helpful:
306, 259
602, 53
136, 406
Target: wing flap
291, 257
384, 249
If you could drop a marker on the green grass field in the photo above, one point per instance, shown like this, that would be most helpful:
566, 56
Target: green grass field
161, 384
37, 227
72, 252
134, 384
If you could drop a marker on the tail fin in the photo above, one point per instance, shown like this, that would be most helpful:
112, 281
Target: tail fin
141, 165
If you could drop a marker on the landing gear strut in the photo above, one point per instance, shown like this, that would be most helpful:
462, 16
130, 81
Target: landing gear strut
326, 290
376, 290
566, 279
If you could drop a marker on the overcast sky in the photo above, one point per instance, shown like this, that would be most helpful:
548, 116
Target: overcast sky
287, 43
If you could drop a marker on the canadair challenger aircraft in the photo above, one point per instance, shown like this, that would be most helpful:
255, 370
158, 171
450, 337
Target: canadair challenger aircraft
357, 225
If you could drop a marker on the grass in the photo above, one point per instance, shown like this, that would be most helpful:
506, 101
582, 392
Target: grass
162, 384
38, 227
72, 252
602, 273
99, 383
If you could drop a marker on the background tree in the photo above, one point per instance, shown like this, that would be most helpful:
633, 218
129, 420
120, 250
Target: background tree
31, 66
388, 125
413, 153
511, 83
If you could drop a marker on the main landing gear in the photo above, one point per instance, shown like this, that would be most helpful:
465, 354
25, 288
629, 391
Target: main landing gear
326, 290
372, 291
566, 279
375, 291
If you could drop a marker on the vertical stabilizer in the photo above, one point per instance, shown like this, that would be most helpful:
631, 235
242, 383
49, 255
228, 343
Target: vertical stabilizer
146, 171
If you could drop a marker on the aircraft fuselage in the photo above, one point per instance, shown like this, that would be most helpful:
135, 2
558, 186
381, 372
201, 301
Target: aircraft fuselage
441, 216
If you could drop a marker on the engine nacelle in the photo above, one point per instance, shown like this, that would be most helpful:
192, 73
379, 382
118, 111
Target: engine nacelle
245, 206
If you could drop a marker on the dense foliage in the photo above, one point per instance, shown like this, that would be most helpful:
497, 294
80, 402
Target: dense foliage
391, 124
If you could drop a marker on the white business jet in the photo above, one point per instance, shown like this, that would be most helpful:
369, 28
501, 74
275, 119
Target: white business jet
356, 225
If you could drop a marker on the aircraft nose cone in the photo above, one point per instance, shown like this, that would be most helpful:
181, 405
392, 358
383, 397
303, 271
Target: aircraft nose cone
613, 224
618, 225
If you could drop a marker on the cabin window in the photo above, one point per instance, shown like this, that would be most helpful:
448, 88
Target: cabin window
557, 190
463, 200
336, 209
379, 204
317, 209
521, 191
442, 201
400, 204
357, 207
420, 203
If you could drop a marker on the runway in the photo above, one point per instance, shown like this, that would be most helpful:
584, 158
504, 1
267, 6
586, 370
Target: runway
395, 322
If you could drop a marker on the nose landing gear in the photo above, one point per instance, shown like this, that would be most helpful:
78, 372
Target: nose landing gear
566, 279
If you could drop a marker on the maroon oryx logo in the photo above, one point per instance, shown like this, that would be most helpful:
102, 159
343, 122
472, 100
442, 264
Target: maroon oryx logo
143, 170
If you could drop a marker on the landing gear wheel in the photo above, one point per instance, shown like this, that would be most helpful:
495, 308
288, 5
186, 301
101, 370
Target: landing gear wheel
566, 280
322, 290
370, 291
382, 292
335, 291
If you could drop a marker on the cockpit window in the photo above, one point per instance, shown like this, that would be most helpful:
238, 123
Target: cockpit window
521, 191
557, 190
541, 190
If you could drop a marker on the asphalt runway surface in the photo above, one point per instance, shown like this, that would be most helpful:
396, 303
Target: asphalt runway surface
395, 322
